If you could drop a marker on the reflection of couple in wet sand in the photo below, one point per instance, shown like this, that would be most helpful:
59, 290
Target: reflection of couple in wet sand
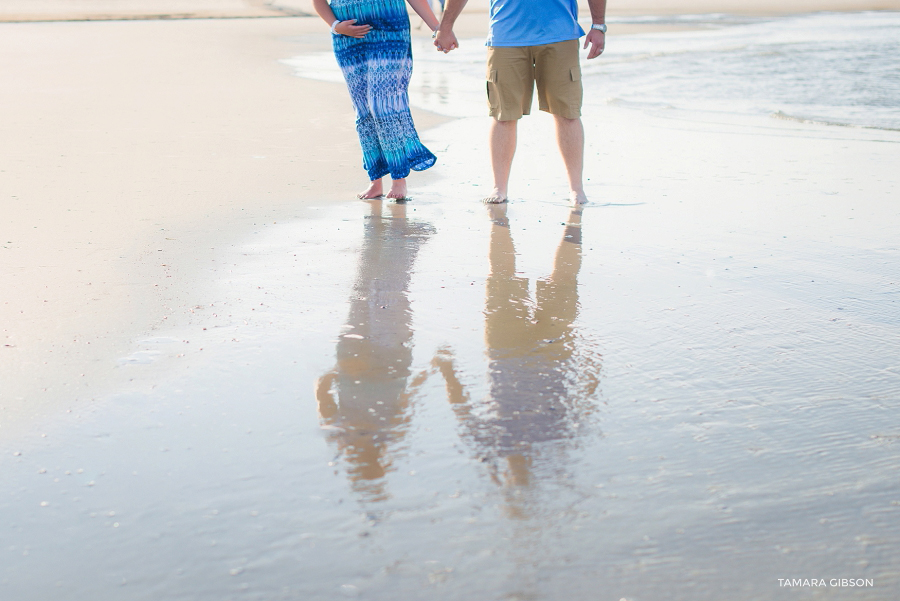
540, 379
366, 396
530, 44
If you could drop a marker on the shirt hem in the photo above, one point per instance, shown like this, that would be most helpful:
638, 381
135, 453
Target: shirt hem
538, 42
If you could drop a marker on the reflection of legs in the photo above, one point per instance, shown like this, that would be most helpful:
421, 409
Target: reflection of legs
502, 253
375, 206
568, 256
398, 211
456, 392
557, 296
325, 396
497, 213
503, 147
516, 476
570, 136
507, 325
519, 472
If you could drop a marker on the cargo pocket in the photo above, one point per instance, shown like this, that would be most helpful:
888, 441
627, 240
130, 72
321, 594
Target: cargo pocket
575, 94
493, 96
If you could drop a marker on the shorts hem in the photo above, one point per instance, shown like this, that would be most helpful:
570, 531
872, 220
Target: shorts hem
564, 114
499, 116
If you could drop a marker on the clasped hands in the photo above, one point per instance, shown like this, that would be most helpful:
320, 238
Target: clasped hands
445, 40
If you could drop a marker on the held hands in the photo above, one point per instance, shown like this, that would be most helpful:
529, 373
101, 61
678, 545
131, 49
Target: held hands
349, 29
597, 40
445, 40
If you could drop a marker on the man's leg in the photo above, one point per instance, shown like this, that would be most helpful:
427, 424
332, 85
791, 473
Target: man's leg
510, 86
570, 136
558, 75
503, 147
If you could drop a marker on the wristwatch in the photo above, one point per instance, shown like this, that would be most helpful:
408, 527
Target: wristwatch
601, 27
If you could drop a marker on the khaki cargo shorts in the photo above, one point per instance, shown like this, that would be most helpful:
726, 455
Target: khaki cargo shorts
513, 71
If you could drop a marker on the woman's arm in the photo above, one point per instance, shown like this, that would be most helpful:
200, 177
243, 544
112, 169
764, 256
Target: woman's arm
423, 9
343, 27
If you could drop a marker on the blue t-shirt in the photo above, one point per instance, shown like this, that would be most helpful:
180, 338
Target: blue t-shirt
533, 22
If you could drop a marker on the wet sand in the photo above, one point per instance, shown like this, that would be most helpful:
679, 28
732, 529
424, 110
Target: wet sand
687, 390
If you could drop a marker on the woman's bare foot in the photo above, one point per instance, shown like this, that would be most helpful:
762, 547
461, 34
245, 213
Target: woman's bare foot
373, 191
398, 189
496, 197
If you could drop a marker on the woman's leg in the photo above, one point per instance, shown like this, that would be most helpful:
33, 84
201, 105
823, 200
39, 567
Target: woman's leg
388, 102
352, 56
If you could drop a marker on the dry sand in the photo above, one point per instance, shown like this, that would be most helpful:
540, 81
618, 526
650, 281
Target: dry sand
86, 10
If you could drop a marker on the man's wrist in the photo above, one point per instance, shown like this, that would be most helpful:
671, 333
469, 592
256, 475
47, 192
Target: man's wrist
601, 27
447, 22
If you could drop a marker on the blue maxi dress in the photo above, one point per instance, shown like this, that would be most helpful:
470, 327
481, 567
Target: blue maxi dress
377, 68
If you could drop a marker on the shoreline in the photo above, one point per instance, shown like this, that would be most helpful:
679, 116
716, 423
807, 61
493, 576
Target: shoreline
23, 11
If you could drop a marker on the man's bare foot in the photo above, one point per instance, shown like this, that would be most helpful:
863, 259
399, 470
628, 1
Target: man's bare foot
496, 197
578, 198
398, 189
373, 191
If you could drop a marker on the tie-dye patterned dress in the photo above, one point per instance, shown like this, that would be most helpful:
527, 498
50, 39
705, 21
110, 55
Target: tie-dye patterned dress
377, 69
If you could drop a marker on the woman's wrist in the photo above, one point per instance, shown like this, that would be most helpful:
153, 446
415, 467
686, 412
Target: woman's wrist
334, 25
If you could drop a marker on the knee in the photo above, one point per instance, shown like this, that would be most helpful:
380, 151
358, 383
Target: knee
565, 121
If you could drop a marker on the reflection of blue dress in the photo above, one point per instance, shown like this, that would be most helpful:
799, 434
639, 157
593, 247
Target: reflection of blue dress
377, 68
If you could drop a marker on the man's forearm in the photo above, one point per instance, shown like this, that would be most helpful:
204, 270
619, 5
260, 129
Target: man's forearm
598, 11
452, 9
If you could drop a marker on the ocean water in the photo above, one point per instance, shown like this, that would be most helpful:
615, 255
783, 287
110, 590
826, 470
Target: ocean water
838, 69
